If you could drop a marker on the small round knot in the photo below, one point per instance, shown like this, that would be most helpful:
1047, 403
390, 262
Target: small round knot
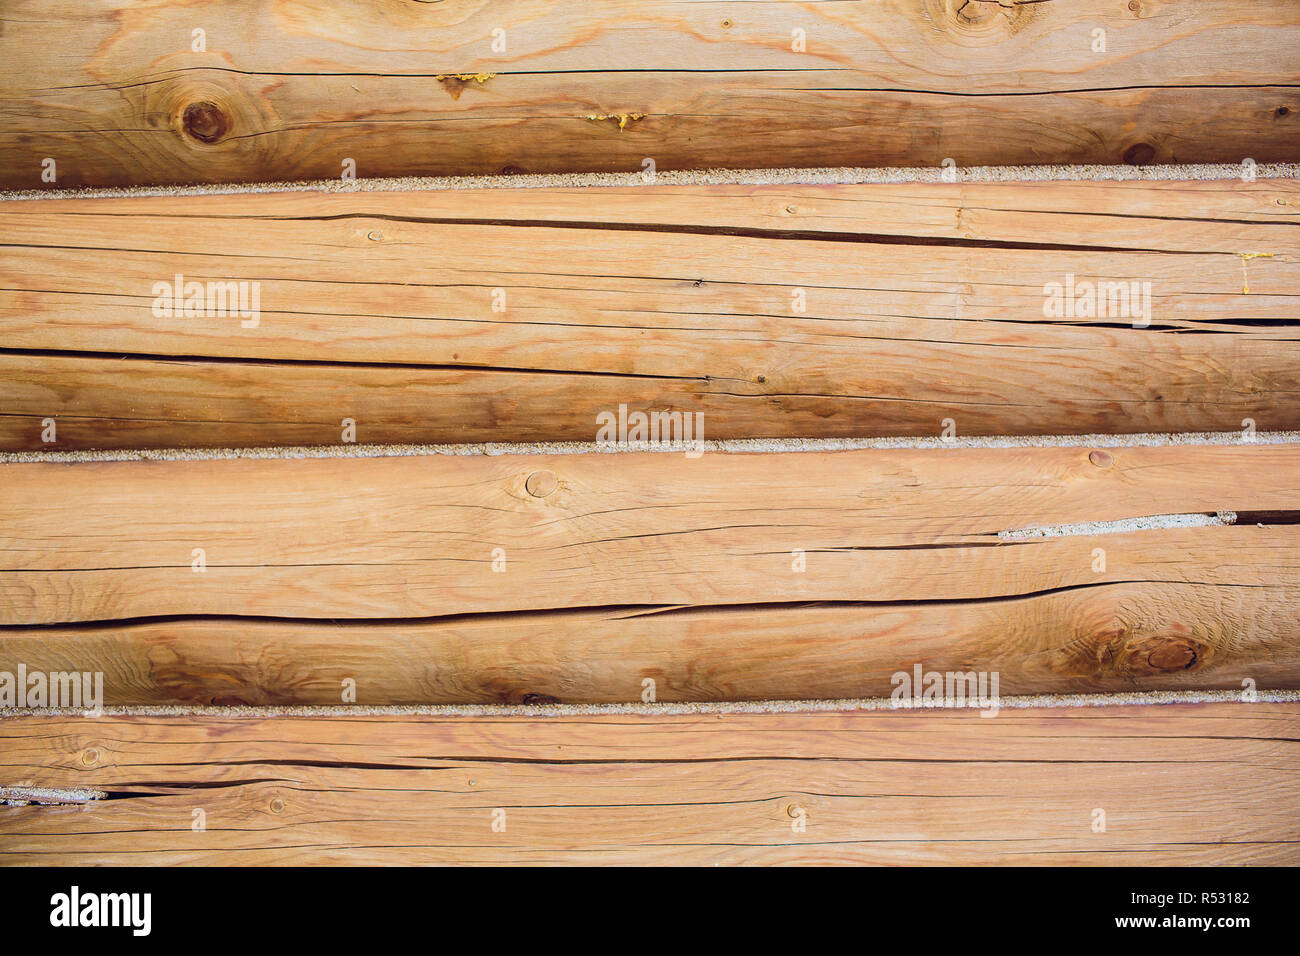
973, 12
1172, 656
1139, 154
1101, 459
979, 22
205, 122
541, 483
277, 805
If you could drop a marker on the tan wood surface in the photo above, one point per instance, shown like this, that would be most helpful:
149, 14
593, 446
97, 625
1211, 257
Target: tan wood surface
1114, 637
920, 303
1178, 784
116, 92
576, 577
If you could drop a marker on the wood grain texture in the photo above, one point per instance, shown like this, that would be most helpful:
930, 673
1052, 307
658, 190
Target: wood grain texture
1179, 784
118, 94
1108, 638
734, 575
919, 303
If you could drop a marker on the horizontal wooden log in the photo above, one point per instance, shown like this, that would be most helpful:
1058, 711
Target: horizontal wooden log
525, 314
136, 92
577, 577
1177, 784
415, 536
1109, 638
